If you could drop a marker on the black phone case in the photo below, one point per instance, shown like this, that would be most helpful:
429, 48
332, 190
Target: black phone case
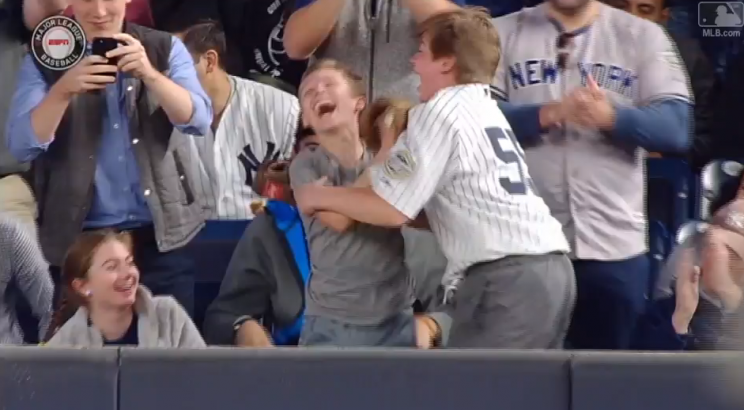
101, 46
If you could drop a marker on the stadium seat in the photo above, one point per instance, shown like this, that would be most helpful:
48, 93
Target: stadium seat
669, 191
714, 176
212, 250
689, 229
658, 251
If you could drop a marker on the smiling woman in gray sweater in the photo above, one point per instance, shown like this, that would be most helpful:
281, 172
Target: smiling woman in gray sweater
103, 303
24, 270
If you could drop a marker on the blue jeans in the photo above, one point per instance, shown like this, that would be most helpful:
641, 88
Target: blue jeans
165, 273
611, 299
398, 331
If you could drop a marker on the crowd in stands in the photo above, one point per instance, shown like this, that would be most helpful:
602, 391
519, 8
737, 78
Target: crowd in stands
367, 223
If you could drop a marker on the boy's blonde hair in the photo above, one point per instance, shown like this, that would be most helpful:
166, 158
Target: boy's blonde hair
356, 82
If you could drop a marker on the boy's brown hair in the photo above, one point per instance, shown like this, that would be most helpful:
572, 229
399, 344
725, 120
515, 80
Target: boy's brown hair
468, 35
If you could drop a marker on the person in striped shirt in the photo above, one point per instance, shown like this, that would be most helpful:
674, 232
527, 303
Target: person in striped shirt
253, 123
24, 273
460, 162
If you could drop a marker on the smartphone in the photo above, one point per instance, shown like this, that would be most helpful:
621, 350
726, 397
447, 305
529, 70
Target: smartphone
102, 45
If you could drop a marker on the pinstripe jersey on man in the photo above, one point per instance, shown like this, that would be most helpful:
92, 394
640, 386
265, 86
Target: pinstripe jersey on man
460, 161
594, 186
258, 124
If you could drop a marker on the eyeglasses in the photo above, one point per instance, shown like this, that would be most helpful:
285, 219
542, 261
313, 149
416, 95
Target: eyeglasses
563, 44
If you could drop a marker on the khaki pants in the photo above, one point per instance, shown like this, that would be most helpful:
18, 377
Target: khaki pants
17, 201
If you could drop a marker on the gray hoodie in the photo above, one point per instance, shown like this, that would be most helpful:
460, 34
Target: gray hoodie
377, 46
162, 322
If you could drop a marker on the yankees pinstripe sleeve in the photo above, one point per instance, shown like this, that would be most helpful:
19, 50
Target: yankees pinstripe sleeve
287, 115
662, 76
416, 164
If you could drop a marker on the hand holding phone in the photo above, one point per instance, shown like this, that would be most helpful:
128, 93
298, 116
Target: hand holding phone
102, 45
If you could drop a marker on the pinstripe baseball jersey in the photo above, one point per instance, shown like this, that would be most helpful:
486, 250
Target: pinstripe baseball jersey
593, 186
460, 161
257, 125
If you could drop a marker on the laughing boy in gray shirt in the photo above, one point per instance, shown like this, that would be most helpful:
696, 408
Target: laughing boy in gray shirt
360, 292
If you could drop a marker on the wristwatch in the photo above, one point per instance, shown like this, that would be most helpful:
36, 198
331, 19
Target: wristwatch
239, 322
436, 331
436, 339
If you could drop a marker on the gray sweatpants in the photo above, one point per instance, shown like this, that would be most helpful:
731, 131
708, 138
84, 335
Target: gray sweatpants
398, 331
518, 302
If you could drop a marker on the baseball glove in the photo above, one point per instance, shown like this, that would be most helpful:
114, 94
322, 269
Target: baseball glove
392, 111
258, 206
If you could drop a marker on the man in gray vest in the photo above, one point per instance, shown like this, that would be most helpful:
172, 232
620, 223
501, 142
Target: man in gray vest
16, 198
590, 90
98, 128
376, 38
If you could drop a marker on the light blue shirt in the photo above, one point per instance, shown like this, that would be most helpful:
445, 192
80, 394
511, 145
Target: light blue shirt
118, 200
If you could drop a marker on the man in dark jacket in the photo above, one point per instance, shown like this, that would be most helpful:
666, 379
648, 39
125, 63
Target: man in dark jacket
261, 297
701, 73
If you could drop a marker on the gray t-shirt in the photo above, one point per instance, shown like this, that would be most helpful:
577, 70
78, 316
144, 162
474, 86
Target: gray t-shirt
358, 276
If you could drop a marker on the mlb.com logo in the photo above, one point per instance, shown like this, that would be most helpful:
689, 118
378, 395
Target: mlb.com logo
721, 18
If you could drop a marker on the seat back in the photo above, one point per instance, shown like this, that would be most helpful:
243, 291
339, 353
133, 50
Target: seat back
658, 242
688, 229
712, 179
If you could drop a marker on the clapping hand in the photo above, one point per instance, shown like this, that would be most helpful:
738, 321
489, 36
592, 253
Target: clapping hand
590, 107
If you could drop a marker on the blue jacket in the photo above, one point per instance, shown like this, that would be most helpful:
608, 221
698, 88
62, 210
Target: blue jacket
287, 221
265, 279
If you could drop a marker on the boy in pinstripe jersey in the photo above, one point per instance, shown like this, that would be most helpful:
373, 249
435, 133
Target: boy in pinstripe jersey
459, 161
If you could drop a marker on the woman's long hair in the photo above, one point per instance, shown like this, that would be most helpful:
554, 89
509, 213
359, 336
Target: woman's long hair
77, 263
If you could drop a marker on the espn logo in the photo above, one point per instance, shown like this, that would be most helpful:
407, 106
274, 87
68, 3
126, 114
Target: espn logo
58, 42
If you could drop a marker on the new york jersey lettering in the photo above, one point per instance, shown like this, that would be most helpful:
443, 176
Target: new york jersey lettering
537, 72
